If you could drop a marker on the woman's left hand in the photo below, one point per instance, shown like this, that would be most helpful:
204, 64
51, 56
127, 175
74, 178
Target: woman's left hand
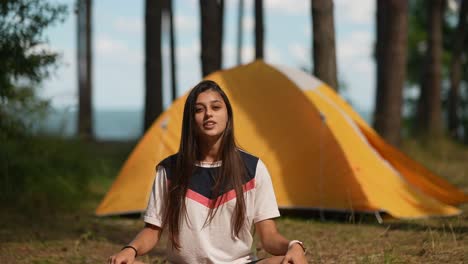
295, 255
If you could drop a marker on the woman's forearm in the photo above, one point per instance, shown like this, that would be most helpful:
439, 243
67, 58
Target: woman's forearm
146, 239
276, 244
272, 241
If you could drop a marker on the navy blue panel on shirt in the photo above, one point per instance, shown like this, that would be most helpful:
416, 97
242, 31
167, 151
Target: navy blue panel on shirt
203, 178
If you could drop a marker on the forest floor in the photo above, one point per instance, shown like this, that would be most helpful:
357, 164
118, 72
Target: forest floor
80, 237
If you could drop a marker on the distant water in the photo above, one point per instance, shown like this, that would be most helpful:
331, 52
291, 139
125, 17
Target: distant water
107, 124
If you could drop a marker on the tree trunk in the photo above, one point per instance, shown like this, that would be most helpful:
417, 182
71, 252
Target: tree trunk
324, 52
153, 71
259, 31
392, 38
211, 35
85, 77
455, 71
240, 31
429, 105
172, 50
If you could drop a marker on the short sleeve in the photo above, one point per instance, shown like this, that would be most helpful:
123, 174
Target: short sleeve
265, 199
155, 209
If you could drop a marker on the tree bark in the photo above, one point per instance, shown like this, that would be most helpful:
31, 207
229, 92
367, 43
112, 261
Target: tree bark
324, 51
211, 35
153, 61
85, 77
259, 31
172, 50
429, 104
391, 53
455, 71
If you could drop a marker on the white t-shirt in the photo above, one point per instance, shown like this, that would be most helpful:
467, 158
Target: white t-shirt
214, 243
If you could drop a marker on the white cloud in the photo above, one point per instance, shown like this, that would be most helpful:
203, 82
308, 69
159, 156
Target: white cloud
189, 52
233, 4
185, 55
354, 46
248, 23
108, 46
185, 23
282, 6
230, 55
299, 53
273, 55
133, 25
130, 25
248, 54
40, 48
291, 6
356, 67
61, 86
362, 67
352, 11
191, 3
117, 50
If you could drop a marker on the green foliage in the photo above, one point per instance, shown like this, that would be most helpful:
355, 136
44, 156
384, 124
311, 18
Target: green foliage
25, 61
50, 174
417, 47
417, 40
22, 23
42, 174
443, 156
464, 99
33, 172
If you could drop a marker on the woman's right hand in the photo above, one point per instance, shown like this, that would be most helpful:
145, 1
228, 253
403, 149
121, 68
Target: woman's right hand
126, 256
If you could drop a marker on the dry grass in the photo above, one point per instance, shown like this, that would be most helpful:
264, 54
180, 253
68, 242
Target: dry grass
86, 239
428, 241
83, 238
66, 238
445, 158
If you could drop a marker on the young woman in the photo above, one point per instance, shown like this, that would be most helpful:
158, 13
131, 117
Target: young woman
209, 195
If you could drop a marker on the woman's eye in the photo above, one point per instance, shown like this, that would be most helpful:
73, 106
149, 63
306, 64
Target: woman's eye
198, 110
216, 107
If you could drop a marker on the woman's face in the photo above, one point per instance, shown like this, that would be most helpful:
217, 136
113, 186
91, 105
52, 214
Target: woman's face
210, 115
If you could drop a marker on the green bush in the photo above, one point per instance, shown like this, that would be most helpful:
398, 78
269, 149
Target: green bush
49, 174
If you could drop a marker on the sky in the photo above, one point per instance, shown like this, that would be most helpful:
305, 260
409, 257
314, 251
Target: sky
118, 49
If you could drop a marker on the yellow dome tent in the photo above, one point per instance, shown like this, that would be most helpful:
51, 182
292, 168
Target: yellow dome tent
320, 153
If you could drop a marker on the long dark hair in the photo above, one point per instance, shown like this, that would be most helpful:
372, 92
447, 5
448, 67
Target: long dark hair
231, 173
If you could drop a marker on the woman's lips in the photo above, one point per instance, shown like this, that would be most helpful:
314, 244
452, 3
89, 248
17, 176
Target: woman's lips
209, 124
